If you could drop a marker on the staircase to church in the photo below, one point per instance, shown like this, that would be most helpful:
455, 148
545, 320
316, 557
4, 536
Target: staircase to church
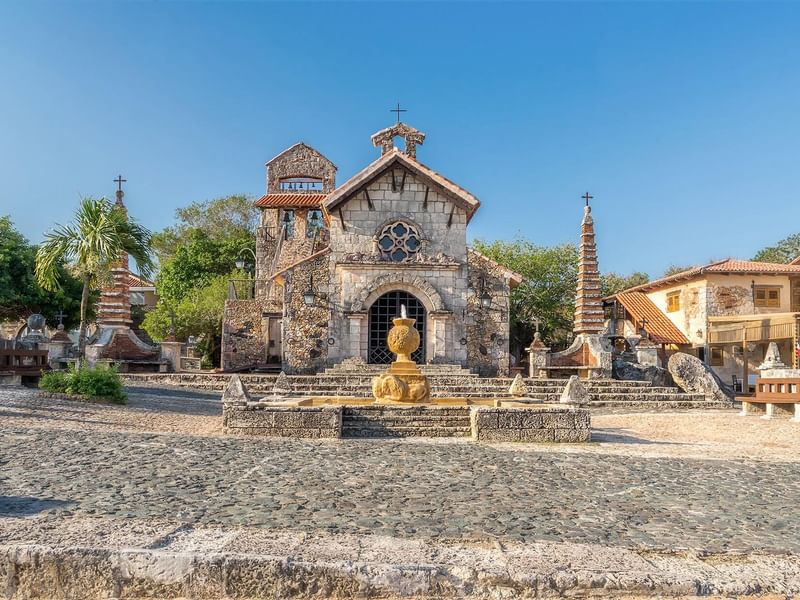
447, 381
405, 421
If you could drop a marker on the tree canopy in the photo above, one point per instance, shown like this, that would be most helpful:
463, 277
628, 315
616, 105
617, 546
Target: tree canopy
613, 283
785, 251
232, 218
547, 292
20, 294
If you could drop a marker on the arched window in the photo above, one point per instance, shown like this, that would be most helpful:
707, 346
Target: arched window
399, 241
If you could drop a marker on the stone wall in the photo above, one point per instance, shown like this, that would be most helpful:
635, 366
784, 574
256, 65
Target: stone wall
281, 421
487, 330
244, 333
306, 328
527, 425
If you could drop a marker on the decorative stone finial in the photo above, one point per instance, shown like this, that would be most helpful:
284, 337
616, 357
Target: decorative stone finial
574, 392
518, 387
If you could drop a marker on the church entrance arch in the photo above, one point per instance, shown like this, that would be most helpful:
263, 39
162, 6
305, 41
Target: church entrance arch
381, 313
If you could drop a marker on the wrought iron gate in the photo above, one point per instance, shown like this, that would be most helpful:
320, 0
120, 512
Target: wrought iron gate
381, 313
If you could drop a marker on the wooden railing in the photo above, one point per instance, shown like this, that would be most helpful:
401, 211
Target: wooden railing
763, 331
777, 390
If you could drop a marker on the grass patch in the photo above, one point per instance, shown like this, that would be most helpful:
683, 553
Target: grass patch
90, 382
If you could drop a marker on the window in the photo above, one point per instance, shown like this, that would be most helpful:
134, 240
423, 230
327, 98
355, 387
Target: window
768, 297
399, 241
673, 301
717, 357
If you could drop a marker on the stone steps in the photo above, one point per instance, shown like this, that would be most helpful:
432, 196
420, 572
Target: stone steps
402, 421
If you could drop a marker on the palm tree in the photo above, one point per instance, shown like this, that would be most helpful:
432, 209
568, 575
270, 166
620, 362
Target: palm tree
99, 234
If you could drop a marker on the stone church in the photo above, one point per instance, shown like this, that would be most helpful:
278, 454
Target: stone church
334, 265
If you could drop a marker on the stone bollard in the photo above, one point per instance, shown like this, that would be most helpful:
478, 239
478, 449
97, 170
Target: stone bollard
171, 352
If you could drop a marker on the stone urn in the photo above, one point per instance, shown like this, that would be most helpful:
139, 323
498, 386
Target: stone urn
403, 338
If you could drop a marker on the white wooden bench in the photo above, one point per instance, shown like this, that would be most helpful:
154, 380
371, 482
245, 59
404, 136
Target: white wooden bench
771, 392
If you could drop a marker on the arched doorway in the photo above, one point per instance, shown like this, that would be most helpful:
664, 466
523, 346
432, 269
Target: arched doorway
381, 313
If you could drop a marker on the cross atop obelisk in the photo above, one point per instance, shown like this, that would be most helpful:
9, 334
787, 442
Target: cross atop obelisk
119, 181
587, 197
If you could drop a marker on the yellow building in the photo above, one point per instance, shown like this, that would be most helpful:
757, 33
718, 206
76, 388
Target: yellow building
725, 312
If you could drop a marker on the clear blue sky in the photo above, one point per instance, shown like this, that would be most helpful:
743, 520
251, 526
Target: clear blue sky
682, 119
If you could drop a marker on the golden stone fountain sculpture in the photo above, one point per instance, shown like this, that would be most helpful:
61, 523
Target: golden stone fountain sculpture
403, 382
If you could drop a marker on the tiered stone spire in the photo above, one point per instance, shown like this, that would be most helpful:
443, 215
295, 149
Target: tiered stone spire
588, 302
114, 309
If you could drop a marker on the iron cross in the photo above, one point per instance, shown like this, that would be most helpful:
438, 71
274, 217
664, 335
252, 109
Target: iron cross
587, 197
60, 316
119, 181
398, 110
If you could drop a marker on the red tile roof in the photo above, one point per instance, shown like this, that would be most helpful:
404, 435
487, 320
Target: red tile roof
659, 328
135, 281
728, 266
290, 200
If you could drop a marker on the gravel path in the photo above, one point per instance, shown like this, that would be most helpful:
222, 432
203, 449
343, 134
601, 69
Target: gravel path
162, 458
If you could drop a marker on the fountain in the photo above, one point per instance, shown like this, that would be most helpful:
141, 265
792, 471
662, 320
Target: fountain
403, 381
402, 405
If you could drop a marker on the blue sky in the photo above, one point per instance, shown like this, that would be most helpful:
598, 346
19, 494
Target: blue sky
682, 119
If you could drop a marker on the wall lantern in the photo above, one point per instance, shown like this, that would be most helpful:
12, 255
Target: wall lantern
308, 295
485, 298
240, 263
753, 290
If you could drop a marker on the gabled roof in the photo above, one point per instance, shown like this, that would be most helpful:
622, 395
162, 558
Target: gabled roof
514, 278
289, 200
297, 146
353, 185
728, 266
659, 328
796, 261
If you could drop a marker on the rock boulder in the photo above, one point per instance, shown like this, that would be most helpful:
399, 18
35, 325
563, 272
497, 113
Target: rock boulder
574, 392
694, 376
631, 371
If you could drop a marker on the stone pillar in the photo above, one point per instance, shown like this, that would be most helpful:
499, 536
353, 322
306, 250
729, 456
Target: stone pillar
357, 323
171, 352
538, 358
300, 223
770, 411
439, 336
796, 417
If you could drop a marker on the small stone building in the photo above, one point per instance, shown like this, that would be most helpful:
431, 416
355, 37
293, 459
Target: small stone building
334, 264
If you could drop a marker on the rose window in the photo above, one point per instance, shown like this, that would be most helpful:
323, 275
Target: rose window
399, 241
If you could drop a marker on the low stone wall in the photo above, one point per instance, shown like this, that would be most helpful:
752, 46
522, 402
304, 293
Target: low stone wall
553, 424
283, 421
526, 425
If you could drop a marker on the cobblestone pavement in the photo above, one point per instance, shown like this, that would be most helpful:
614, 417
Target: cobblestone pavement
408, 489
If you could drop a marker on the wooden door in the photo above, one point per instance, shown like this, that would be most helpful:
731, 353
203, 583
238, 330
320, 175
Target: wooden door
795, 295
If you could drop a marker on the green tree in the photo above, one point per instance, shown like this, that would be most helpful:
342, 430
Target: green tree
613, 283
198, 314
232, 218
20, 294
198, 260
675, 269
785, 251
546, 294
90, 245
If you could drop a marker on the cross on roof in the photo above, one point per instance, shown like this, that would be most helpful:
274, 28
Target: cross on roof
644, 323
60, 316
398, 110
587, 197
119, 181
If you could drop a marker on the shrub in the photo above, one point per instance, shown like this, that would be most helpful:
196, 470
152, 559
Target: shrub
90, 382
56, 382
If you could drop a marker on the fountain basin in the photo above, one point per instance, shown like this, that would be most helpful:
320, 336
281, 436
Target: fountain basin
482, 420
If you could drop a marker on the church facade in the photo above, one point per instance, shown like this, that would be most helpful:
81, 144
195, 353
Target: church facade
334, 265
